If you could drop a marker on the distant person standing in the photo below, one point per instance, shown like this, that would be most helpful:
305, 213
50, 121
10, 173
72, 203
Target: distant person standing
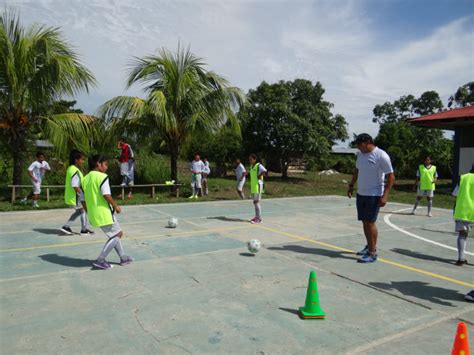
240, 174
464, 213
373, 165
127, 164
73, 194
36, 170
205, 173
256, 172
426, 177
197, 168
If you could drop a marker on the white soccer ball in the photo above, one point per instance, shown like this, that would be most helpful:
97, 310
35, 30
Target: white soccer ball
254, 246
173, 222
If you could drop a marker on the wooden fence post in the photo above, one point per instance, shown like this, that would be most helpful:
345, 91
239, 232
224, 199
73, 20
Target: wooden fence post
13, 194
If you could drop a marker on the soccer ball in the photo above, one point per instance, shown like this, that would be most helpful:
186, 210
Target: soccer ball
254, 245
173, 222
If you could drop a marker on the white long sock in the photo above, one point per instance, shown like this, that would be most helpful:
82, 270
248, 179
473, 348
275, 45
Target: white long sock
194, 189
258, 210
430, 204
462, 241
108, 246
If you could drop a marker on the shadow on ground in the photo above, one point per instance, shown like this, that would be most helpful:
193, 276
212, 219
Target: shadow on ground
315, 251
48, 231
417, 255
66, 260
228, 219
422, 290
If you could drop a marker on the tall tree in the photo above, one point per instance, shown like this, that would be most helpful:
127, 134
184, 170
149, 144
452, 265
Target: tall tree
181, 98
406, 144
37, 67
289, 120
464, 96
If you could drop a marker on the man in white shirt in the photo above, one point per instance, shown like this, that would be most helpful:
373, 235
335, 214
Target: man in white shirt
197, 168
36, 171
373, 166
240, 174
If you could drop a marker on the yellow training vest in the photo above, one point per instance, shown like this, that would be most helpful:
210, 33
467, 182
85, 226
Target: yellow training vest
254, 180
427, 176
465, 200
98, 209
70, 194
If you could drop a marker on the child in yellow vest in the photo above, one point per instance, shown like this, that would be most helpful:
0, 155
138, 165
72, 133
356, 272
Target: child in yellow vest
464, 212
73, 195
101, 209
426, 177
256, 172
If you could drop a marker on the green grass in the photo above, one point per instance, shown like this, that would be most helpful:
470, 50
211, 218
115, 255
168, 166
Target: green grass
307, 184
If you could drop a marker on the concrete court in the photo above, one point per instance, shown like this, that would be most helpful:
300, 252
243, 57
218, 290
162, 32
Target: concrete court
194, 289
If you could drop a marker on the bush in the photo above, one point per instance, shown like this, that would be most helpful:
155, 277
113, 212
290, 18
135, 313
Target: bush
151, 168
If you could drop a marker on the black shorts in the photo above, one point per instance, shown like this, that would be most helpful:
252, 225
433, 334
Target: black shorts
367, 208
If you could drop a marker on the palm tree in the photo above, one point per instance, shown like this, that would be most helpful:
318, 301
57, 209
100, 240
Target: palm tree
182, 99
37, 67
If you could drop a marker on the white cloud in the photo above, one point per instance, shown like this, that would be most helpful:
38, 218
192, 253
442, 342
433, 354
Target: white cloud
334, 42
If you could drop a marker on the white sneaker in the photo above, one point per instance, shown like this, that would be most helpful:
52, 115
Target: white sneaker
35, 205
430, 214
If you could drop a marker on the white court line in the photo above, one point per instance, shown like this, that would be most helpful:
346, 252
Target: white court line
387, 221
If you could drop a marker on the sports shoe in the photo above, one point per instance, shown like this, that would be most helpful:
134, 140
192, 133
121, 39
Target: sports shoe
430, 214
367, 258
253, 219
102, 265
461, 262
191, 197
87, 232
24, 201
470, 296
363, 251
256, 221
125, 260
196, 197
67, 230
35, 205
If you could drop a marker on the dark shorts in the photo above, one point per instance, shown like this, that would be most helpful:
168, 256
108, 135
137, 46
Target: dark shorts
367, 208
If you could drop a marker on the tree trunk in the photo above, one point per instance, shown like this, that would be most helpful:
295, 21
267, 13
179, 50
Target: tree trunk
18, 167
174, 155
18, 154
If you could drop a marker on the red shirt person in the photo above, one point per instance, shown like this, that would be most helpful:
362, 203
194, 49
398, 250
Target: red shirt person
127, 162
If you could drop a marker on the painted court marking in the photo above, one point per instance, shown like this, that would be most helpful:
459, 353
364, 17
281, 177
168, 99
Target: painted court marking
402, 266
388, 222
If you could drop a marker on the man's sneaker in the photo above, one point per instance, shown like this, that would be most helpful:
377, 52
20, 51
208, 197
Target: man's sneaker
363, 251
125, 260
367, 258
252, 220
191, 197
470, 296
87, 232
461, 262
35, 205
430, 214
256, 221
196, 197
102, 265
67, 230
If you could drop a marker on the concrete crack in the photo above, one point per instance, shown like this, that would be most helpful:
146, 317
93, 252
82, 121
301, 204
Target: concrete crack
143, 328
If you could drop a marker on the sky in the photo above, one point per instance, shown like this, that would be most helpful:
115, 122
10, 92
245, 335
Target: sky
364, 52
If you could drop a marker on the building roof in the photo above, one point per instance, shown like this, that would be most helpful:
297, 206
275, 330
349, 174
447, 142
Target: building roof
451, 119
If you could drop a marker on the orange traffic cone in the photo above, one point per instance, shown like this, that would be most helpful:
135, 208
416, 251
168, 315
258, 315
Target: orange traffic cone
461, 343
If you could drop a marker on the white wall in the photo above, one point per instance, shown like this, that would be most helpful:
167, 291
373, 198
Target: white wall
466, 159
